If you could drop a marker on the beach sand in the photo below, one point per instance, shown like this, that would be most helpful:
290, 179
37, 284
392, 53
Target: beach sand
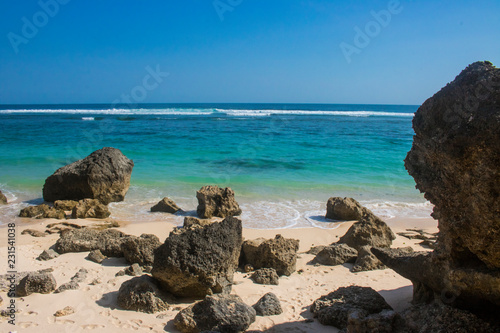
95, 305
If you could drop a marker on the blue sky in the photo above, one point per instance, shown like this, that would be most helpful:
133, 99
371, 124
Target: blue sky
96, 51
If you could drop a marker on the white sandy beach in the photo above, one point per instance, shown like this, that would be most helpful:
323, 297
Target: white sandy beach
95, 305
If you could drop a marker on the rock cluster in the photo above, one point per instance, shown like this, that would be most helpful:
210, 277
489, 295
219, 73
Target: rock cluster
199, 261
216, 201
279, 253
103, 175
455, 161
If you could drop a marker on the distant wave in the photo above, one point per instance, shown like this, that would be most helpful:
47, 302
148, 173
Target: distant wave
208, 112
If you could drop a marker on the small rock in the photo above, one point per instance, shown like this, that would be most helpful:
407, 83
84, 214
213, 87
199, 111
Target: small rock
33, 232
316, 249
41, 283
166, 205
71, 285
268, 305
64, 312
96, 281
47, 255
248, 268
120, 273
266, 276
370, 230
133, 270
80, 276
336, 254
345, 209
96, 256
221, 313
142, 294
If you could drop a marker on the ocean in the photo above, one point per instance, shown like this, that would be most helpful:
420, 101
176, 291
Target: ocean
282, 160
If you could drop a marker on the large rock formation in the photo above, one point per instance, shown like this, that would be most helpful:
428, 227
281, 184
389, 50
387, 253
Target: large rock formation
216, 201
455, 161
279, 253
217, 313
199, 261
103, 175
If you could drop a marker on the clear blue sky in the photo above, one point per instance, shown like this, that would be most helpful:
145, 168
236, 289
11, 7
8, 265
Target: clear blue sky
93, 51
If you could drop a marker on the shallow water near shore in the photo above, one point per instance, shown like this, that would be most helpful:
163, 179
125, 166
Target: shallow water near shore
284, 161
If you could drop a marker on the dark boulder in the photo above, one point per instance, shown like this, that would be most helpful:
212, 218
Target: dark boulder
166, 205
268, 305
279, 253
266, 276
455, 161
103, 175
219, 313
334, 309
90, 208
140, 249
200, 261
143, 295
336, 254
34, 282
216, 201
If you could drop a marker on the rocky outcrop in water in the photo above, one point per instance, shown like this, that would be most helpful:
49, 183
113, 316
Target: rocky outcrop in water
166, 205
199, 261
279, 253
103, 175
216, 201
455, 161
217, 313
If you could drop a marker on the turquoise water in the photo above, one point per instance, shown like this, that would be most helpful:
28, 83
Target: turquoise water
274, 156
